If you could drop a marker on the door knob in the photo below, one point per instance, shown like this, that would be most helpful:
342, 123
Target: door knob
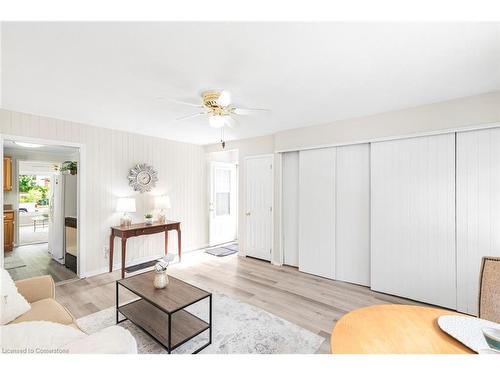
248, 213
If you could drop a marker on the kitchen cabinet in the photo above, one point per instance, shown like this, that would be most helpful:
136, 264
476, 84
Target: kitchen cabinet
7, 173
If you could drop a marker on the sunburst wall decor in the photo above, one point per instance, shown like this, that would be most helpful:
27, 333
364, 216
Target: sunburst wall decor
143, 177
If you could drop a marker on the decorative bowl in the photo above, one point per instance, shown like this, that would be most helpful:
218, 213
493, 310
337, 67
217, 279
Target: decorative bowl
492, 337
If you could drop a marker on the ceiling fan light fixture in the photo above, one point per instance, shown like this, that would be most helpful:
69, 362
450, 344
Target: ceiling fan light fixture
224, 99
216, 121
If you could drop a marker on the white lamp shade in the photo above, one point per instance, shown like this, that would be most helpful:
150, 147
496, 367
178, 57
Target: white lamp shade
125, 205
162, 202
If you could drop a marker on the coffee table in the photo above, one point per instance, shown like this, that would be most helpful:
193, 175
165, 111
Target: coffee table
161, 312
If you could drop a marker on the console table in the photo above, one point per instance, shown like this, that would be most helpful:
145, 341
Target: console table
141, 229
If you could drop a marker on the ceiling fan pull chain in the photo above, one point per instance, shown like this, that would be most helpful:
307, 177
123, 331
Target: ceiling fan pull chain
222, 142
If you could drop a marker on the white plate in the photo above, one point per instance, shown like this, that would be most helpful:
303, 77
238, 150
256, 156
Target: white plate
467, 330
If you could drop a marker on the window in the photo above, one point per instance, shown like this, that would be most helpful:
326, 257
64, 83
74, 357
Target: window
222, 192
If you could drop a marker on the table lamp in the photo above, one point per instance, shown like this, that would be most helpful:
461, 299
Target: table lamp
125, 205
162, 203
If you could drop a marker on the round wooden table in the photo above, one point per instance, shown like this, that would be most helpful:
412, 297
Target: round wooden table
394, 329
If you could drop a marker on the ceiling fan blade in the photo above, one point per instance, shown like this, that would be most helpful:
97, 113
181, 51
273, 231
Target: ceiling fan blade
183, 102
193, 115
232, 123
248, 111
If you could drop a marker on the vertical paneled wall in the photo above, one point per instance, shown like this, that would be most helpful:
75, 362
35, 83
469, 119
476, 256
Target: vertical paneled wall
478, 210
317, 212
413, 218
109, 155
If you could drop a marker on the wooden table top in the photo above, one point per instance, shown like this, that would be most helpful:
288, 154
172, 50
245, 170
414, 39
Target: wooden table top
394, 329
144, 225
176, 295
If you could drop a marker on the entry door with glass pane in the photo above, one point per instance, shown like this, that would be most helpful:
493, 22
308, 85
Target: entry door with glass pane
222, 203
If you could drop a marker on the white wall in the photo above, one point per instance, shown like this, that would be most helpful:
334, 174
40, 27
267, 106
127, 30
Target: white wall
463, 112
109, 155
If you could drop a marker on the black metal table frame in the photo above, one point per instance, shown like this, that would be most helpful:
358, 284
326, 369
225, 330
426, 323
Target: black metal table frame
168, 348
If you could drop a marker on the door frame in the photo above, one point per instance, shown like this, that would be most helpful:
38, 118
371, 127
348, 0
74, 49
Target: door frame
244, 208
234, 197
81, 205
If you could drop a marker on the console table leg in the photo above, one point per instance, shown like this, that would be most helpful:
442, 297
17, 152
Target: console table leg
166, 241
179, 251
124, 255
111, 248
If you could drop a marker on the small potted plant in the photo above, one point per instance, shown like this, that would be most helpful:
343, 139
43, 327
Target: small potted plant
160, 280
69, 167
149, 219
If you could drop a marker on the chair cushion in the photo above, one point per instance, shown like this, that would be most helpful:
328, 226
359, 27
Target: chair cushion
47, 309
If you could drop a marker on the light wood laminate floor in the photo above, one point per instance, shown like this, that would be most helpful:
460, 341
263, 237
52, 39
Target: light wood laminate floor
35, 260
311, 302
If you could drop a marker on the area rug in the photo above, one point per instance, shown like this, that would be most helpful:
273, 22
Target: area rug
238, 328
220, 251
11, 263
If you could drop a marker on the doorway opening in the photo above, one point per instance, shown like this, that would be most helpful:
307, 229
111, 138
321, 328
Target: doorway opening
40, 210
223, 198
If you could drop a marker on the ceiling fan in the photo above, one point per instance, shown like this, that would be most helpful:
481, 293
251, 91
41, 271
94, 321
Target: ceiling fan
217, 106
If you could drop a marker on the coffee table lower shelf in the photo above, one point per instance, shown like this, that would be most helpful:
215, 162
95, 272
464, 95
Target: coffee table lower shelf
169, 330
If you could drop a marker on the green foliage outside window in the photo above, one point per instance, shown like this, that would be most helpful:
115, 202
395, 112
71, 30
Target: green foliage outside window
26, 183
30, 192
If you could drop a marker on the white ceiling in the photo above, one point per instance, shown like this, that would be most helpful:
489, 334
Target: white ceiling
111, 74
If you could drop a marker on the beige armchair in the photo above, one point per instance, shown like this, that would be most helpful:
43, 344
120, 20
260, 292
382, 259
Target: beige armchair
40, 293
36, 288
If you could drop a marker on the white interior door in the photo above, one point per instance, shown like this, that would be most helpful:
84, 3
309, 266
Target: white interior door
290, 208
352, 233
478, 210
413, 218
317, 212
258, 206
222, 205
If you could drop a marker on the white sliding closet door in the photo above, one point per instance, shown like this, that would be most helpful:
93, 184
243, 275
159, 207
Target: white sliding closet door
413, 218
317, 212
478, 210
352, 247
290, 208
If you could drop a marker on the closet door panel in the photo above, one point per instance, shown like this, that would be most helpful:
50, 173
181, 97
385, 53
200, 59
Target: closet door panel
317, 212
478, 210
413, 218
352, 234
290, 208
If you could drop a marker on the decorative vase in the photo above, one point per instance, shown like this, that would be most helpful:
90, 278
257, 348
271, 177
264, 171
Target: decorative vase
160, 280
149, 221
